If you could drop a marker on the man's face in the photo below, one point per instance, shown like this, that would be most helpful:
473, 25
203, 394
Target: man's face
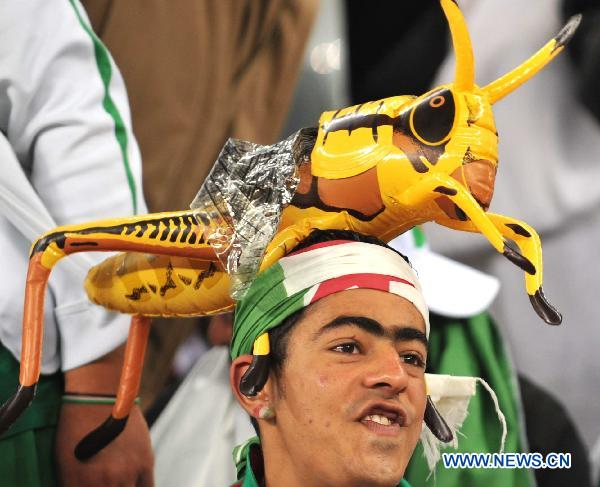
351, 396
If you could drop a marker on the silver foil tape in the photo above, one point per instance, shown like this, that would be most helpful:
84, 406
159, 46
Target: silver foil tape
241, 201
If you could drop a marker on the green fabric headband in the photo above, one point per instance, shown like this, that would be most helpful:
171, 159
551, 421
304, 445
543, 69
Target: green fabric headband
304, 277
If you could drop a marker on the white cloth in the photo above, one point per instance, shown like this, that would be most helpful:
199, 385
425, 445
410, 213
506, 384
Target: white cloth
69, 168
549, 146
450, 288
334, 261
451, 396
194, 436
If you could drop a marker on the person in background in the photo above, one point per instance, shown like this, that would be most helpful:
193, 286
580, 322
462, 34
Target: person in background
68, 155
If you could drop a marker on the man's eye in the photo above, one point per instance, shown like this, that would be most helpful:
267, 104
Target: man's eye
346, 348
413, 359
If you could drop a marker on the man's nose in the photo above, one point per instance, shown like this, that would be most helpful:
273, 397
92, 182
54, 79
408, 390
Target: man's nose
386, 372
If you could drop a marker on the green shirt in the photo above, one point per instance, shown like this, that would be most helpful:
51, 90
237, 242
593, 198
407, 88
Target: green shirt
43, 410
474, 347
27, 448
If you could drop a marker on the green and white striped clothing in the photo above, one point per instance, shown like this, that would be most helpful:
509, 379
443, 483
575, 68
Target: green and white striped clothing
71, 157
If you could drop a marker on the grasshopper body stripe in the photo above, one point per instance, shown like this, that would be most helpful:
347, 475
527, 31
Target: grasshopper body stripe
171, 228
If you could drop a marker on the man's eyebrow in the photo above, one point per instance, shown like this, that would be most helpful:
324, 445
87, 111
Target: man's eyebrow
373, 327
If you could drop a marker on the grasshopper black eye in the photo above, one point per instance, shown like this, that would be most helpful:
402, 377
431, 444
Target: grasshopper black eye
431, 121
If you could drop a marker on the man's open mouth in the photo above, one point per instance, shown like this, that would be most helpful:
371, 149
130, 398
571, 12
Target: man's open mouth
383, 418
379, 419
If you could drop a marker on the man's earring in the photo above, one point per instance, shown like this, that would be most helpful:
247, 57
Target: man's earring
266, 412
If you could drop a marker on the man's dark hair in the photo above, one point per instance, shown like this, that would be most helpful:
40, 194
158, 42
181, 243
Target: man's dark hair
279, 336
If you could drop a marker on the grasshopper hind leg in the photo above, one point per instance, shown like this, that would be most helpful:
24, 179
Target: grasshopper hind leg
129, 385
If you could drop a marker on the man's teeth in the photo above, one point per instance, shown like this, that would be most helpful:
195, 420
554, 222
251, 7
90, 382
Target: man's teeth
377, 418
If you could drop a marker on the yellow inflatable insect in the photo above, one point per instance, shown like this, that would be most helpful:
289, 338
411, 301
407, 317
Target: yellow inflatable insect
379, 168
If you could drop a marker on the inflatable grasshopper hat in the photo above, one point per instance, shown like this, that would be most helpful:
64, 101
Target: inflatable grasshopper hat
382, 167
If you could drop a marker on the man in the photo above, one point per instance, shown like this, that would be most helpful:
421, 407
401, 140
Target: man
336, 380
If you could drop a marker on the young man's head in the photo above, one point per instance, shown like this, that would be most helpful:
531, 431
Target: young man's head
345, 396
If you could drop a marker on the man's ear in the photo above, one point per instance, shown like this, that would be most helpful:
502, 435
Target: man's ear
255, 404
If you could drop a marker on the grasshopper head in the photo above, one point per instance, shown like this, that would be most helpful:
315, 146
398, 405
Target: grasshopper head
450, 129
452, 132
471, 154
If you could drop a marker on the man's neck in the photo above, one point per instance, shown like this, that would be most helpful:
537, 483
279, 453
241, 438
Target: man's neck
279, 466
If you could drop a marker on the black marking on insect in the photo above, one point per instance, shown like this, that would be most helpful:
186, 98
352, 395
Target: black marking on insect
548, 313
152, 288
175, 234
84, 244
374, 132
209, 272
137, 292
154, 233
356, 113
311, 199
327, 132
58, 238
165, 234
468, 157
188, 225
447, 191
353, 121
432, 119
169, 282
518, 229
519, 260
186, 280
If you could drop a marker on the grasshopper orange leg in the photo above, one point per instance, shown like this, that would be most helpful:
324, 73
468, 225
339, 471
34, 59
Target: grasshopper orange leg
176, 234
129, 385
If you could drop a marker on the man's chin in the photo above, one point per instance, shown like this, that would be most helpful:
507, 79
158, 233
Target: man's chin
385, 456
384, 439
382, 461
378, 472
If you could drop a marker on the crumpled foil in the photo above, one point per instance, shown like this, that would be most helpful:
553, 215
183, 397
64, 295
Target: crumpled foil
241, 201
